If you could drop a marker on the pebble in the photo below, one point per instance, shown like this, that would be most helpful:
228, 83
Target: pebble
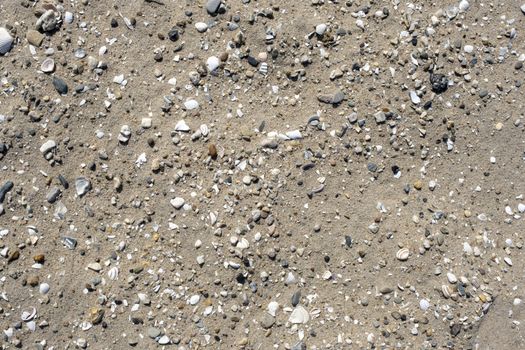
153, 332
191, 104
320, 29
212, 63
44, 288
212, 6
48, 146
34, 37
60, 85
82, 186
177, 202
332, 98
201, 27
414, 98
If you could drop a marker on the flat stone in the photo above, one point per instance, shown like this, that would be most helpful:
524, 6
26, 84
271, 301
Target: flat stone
177, 202
34, 37
267, 321
53, 194
212, 6
95, 267
47, 146
153, 332
60, 86
334, 98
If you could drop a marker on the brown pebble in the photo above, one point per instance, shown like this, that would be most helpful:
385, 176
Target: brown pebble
39, 258
33, 280
418, 185
212, 151
13, 256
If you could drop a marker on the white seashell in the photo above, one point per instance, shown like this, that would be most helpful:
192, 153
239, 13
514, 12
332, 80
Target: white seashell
446, 291
451, 277
424, 304
521, 208
44, 288
273, 306
507, 261
113, 273
68, 17
28, 315
191, 104
243, 243
402, 254
204, 130
201, 27
102, 51
48, 65
263, 69
290, 279
414, 98
86, 325
320, 29
182, 126
194, 299
6, 40
299, 315
212, 63
463, 5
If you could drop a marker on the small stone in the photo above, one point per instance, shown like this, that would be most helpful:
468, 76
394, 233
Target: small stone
267, 321
177, 202
212, 6
191, 104
332, 98
164, 340
414, 98
33, 280
386, 290
424, 304
82, 186
296, 298
522, 7
212, 151
153, 332
212, 63
53, 194
60, 85
320, 29
39, 258
34, 37
418, 185
95, 267
173, 34
201, 27
47, 146
451, 277
194, 299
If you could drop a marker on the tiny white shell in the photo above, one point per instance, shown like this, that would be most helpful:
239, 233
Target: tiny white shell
299, 315
6, 40
204, 130
191, 104
402, 254
68, 17
273, 306
446, 291
48, 65
212, 63
182, 126
113, 273
28, 315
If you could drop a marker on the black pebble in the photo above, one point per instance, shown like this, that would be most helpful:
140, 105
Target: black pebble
173, 34
439, 83
348, 241
60, 86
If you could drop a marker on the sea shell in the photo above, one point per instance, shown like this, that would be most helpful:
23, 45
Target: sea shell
113, 273
446, 291
212, 63
182, 126
191, 104
68, 17
44, 288
402, 254
6, 40
299, 315
48, 65
273, 306
204, 130
28, 315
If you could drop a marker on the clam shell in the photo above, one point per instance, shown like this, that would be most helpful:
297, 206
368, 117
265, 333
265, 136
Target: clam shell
48, 65
6, 40
402, 254
273, 306
113, 273
204, 130
68, 17
28, 315
446, 291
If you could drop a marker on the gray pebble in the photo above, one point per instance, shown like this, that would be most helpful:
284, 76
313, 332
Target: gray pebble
212, 6
53, 194
60, 86
153, 332
296, 298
